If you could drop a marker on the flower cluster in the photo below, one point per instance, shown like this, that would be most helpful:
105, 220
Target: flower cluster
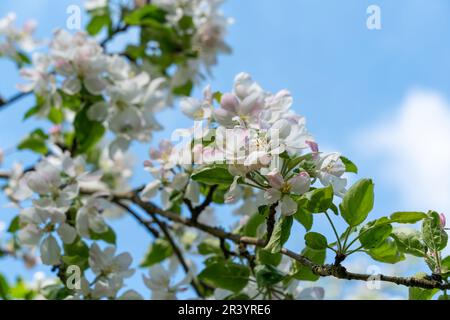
14, 41
261, 142
78, 66
208, 33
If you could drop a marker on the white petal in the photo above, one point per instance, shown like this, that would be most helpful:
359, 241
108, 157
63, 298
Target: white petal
98, 111
150, 190
288, 206
67, 233
272, 195
50, 251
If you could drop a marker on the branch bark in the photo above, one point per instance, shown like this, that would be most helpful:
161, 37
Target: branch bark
326, 270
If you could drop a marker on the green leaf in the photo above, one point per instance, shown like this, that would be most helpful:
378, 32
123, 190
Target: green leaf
36, 141
266, 257
349, 165
421, 294
97, 23
213, 176
146, 13
226, 275
268, 275
357, 202
316, 241
14, 225
184, 90
433, 233
409, 242
77, 248
387, 252
210, 246
319, 200
407, 217
372, 234
87, 132
445, 266
4, 288
301, 272
157, 252
280, 234
109, 236
56, 115
251, 227
304, 217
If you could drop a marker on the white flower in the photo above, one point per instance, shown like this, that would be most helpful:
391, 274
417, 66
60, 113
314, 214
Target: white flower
160, 282
196, 109
330, 169
39, 227
105, 263
281, 190
89, 217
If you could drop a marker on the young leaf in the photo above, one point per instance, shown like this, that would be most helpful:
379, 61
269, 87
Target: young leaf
409, 242
372, 234
433, 233
265, 257
407, 217
36, 141
387, 252
280, 234
158, 251
319, 200
87, 132
357, 202
301, 272
226, 275
267, 275
316, 241
349, 165
213, 176
109, 236
304, 217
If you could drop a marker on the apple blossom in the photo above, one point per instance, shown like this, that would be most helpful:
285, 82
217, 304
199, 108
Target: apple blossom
281, 190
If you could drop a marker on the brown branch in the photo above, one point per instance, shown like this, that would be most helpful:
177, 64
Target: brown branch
14, 98
270, 221
146, 224
338, 271
197, 211
178, 253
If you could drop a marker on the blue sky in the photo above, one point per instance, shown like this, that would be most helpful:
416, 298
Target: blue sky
378, 96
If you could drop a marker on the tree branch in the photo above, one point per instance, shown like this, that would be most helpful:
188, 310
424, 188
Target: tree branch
338, 271
145, 224
197, 211
14, 98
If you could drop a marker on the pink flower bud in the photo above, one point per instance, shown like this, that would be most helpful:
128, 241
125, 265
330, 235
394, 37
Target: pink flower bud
442, 219
147, 163
55, 130
313, 146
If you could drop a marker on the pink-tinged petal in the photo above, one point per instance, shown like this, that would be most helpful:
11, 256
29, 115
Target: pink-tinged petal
442, 219
313, 146
229, 102
272, 195
300, 183
275, 178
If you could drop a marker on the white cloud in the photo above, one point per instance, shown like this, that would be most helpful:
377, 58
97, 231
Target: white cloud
414, 147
